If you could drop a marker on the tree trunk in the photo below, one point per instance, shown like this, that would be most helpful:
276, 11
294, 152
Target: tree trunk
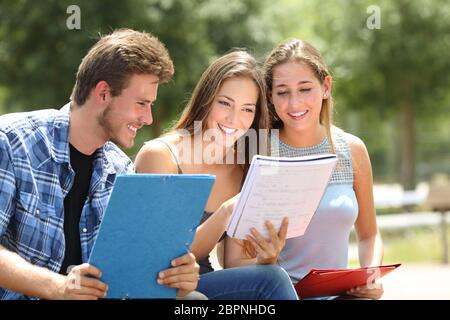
392, 155
156, 127
408, 145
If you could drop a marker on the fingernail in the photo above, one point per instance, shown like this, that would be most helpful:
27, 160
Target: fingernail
159, 281
161, 274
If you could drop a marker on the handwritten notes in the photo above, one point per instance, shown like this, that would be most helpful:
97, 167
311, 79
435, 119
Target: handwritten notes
278, 187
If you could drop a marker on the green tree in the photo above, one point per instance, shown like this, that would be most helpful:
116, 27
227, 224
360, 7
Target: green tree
39, 55
400, 70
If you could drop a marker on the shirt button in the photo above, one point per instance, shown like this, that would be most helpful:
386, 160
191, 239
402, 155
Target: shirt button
38, 211
84, 230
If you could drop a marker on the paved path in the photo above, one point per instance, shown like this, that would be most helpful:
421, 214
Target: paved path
410, 282
418, 282
408, 220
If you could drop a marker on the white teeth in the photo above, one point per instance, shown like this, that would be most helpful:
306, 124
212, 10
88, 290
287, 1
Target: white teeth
227, 130
132, 128
298, 114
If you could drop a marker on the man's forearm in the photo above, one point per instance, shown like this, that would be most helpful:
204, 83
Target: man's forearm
21, 276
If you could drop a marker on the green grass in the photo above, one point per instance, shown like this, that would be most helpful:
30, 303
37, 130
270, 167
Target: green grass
417, 245
411, 208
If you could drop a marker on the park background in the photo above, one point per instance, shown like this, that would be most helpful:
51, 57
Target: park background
390, 63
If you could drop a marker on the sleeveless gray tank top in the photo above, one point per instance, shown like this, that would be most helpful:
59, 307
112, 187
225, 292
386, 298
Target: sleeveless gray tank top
325, 242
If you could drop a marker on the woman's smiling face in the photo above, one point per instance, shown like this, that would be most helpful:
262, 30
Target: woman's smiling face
297, 95
233, 109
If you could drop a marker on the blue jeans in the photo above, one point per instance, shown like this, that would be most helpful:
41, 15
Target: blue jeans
255, 282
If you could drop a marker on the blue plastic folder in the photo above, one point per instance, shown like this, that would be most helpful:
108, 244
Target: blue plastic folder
150, 220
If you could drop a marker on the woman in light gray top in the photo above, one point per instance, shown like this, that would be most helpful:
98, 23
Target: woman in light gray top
299, 92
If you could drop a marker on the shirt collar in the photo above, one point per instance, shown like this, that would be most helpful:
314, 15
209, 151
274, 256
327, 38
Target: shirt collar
60, 152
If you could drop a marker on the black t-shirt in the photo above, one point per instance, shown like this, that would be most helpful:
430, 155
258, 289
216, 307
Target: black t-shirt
73, 205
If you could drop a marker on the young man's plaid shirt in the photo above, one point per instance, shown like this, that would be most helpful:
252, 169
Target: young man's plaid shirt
35, 176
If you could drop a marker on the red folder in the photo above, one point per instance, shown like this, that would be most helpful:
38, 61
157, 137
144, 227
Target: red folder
320, 283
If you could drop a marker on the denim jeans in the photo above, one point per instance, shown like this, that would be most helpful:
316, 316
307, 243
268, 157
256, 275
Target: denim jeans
255, 282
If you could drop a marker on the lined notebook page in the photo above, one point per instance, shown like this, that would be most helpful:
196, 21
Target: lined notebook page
278, 187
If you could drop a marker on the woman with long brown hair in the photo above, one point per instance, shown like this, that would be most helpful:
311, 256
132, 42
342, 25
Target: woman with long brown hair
226, 110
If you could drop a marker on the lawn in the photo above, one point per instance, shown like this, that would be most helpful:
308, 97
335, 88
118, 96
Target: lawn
415, 245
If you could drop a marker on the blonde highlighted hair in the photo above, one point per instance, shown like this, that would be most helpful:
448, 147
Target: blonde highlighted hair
302, 52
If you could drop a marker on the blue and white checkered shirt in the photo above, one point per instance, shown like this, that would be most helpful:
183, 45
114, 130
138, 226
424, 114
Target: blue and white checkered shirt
35, 176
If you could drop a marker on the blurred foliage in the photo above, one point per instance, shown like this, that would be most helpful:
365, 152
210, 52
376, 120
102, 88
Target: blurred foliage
416, 245
39, 55
389, 83
376, 72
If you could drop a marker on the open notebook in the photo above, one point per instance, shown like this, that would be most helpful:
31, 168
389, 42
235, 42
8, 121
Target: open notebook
276, 187
150, 220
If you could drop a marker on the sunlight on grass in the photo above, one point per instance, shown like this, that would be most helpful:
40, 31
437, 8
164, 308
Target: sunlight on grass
422, 245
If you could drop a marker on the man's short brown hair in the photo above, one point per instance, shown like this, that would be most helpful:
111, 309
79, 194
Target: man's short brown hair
116, 57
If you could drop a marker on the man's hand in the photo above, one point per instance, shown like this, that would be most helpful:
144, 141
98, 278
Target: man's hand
183, 275
77, 286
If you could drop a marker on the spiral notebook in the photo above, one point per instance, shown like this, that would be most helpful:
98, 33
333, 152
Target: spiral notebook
150, 220
277, 187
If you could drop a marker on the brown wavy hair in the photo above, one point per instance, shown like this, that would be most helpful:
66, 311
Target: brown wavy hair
237, 63
116, 57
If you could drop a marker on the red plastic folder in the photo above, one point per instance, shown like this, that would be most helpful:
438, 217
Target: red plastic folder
321, 283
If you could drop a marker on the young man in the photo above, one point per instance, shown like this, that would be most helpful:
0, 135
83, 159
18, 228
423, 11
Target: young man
57, 169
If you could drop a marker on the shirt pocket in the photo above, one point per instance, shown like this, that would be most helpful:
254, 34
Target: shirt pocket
40, 231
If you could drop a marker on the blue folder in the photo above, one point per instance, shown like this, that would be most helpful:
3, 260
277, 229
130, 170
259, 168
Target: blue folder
150, 220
